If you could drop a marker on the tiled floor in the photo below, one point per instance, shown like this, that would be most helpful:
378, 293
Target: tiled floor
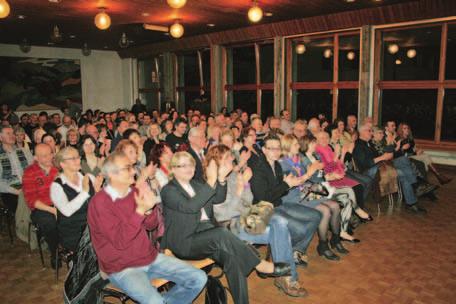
403, 258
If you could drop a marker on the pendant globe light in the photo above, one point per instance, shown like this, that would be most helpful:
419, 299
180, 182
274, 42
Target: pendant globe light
176, 3
4, 9
176, 30
255, 13
102, 20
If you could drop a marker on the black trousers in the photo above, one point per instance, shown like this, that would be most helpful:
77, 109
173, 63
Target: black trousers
363, 191
236, 258
10, 201
48, 226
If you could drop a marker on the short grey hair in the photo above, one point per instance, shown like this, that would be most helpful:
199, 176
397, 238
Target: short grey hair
364, 127
109, 165
194, 131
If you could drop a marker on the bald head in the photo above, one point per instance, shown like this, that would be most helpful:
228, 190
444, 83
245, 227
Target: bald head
44, 155
314, 125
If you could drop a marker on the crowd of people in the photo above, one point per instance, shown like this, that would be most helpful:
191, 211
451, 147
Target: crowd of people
192, 179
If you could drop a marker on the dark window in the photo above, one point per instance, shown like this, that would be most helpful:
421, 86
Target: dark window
411, 54
244, 66
245, 100
191, 70
149, 77
451, 51
150, 99
349, 58
316, 63
267, 104
206, 60
266, 63
310, 103
416, 107
449, 116
347, 103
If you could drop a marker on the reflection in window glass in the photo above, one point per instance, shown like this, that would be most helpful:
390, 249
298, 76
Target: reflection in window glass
411, 54
244, 66
451, 51
310, 103
316, 62
150, 99
245, 100
349, 58
416, 107
267, 63
267, 104
347, 103
449, 116
149, 78
191, 69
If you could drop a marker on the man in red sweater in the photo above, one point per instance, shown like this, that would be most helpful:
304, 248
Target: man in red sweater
119, 217
36, 185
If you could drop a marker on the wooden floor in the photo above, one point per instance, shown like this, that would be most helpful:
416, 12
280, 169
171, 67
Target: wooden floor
403, 258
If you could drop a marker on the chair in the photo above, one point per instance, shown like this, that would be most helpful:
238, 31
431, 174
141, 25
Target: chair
39, 237
114, 292
64, 255
6, 215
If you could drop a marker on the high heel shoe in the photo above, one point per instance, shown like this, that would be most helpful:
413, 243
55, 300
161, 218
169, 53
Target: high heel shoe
339, 248
323, 250
350, 241
280, 270
365, 220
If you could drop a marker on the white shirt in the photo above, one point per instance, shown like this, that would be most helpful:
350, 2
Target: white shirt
188, 188
114, 194
60, 200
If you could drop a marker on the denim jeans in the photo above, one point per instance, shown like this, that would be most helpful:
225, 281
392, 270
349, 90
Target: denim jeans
135, 281
278, 236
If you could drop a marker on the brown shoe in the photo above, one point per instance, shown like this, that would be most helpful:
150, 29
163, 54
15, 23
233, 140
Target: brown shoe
290, 288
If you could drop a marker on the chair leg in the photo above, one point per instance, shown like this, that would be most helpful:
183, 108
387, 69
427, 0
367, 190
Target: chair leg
57, 264
38, 238
8, 223
29, 236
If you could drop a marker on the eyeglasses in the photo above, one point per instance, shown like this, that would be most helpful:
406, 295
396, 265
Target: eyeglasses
184, 166
72, 158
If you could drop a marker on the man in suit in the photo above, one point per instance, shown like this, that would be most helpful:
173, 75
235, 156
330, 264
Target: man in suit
197, 140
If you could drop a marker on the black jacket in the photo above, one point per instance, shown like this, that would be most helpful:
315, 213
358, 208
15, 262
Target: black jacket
183, 213
199, 172
364, 154
265, 185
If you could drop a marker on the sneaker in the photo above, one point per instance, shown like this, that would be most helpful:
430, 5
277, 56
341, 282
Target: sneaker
290, 288
300, 259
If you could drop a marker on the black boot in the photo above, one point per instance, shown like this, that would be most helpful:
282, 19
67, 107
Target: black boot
323, 250
337, 245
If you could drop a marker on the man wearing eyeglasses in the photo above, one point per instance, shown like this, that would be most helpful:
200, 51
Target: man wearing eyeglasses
119, 218
36, 184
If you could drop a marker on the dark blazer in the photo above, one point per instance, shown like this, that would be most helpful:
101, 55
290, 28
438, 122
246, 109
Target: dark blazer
363, 155
183, 213
265, 185
199, 172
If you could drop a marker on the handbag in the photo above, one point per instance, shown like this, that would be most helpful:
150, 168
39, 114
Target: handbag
215, 291
312, 191
257, 218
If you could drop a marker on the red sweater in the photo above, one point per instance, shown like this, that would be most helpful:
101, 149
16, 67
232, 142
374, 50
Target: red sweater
36, 185
119, 234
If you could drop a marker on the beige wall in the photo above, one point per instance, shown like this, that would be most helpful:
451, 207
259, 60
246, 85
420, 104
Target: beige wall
106, 78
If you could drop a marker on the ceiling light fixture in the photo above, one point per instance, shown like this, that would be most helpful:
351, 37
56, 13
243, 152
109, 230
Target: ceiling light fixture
22, 17
300, 49
176, 3
327, 53
210, 24
176, 30
4, 9
398, 61
102, 20
411, 53
393, 48
158, 28
255, 13
351, 55
268, 14
124, 42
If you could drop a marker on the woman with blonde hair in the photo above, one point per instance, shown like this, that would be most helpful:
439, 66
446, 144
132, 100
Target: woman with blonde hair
408, 148
191, 234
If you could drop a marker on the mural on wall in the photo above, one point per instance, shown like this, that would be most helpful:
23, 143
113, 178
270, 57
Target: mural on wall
39, 83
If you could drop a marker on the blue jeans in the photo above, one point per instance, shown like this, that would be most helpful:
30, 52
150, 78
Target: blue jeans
278, 236
135, 281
